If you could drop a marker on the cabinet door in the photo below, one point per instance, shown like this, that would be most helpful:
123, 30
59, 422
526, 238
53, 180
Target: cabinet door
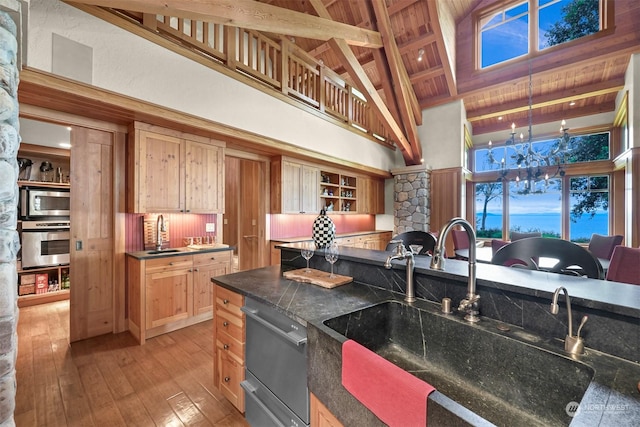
203, 288
310, 187
291, 187
204, 178
160, 173
231, 375
169, 294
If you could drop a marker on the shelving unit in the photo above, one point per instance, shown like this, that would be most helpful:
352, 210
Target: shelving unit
54, 273
338, 192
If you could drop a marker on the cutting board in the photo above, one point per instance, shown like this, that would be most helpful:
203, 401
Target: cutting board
317, 277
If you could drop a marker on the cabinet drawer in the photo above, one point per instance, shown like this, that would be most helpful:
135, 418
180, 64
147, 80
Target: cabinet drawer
168, 263
231, 375
231, 347
228, 300
211, 258
230, 324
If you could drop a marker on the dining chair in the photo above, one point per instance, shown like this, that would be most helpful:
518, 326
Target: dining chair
603, 246
625, 265
496, 244
515, 235
416, 237
460, 239
572, 258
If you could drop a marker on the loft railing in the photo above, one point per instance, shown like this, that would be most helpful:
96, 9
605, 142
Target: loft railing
275, 62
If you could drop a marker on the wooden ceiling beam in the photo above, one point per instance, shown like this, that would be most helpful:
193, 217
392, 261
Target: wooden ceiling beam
343, 51
547, 100
448, 67
428, 74
399, 6
404, 93
249, 14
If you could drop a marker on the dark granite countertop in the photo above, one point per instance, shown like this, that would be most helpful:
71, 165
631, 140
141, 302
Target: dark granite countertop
150, 254
612, 398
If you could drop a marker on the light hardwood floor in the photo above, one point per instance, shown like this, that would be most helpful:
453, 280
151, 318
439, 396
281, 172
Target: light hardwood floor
111, 380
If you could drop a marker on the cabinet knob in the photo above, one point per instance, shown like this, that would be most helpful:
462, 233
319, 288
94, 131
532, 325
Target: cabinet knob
227, 379
226, 346
191, 270
171, 263
225, 301
197, 269
225, 324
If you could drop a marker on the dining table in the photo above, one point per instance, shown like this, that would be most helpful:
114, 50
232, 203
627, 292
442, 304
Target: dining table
485, 254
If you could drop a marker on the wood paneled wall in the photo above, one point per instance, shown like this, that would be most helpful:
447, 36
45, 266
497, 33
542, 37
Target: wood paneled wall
180, 225
446, 199
287, 226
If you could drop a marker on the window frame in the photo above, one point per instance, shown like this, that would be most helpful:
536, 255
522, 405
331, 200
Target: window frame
605, 14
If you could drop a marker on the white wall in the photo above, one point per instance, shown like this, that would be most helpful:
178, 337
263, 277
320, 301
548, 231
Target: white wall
128, 64
442, 135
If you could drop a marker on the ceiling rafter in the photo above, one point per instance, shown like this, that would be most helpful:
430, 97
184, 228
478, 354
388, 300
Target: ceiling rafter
449, 71
405, 96
250, 14
342, 50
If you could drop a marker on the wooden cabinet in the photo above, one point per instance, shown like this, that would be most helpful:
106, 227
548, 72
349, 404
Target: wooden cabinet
377, 241
371, 195
169, 290
169, 293
171, 171
206, 266
230, 341
320, 414
294, 187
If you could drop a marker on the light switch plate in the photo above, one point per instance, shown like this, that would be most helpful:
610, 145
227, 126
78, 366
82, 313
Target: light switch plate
210, 227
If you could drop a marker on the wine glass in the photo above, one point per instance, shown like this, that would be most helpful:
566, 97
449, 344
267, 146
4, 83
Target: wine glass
307, 252
331, 255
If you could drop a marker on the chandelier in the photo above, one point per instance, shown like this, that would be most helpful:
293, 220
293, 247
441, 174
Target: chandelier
533, 165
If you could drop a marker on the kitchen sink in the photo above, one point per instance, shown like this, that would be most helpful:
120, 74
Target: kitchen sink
163, 251
502, 379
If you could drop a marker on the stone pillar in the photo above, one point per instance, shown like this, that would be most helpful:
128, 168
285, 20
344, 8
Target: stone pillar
411, 199
9, 243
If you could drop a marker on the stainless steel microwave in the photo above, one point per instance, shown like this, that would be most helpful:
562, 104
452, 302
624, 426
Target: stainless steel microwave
44, 203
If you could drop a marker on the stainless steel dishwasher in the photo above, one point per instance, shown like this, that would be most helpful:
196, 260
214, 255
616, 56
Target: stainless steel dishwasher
276, 392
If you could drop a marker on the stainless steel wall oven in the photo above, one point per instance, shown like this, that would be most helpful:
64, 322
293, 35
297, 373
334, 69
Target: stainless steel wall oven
45, 243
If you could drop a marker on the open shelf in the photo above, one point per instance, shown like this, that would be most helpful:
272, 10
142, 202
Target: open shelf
338, 192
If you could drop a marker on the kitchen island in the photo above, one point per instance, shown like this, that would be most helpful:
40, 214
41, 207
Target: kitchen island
170, 289
610, 399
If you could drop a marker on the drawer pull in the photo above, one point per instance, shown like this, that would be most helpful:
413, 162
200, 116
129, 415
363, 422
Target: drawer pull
171, 263
226, 346
225, 301
225, 324
197, 269
227, 379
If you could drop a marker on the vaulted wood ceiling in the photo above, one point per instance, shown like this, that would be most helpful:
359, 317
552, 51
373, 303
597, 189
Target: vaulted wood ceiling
375, 45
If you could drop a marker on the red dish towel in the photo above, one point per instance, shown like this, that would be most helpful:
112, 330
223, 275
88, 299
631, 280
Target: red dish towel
394, 395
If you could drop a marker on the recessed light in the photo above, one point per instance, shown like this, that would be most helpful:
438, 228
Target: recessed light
500, 118
420, 54
572, 103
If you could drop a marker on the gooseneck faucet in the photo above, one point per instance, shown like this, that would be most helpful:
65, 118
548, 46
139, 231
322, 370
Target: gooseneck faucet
401, 252
160, 228
572, 345
470, 304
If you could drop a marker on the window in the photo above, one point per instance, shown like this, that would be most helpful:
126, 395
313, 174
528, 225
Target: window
507, 33
506, 205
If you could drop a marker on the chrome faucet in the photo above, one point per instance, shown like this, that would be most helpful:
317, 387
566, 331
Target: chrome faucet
401, 252
160, 228
470, 304
572, 345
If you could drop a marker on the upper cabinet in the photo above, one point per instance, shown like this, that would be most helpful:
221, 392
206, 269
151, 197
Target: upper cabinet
370, 195
171, 171
295, 187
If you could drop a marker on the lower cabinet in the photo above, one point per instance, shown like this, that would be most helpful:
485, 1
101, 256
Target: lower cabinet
229, 334
321, 416
169, 293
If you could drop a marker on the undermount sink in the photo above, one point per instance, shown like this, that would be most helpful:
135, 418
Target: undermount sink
163, 251
499, 378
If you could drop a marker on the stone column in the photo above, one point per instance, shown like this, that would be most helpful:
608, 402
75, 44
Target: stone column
411, 199
9, 243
